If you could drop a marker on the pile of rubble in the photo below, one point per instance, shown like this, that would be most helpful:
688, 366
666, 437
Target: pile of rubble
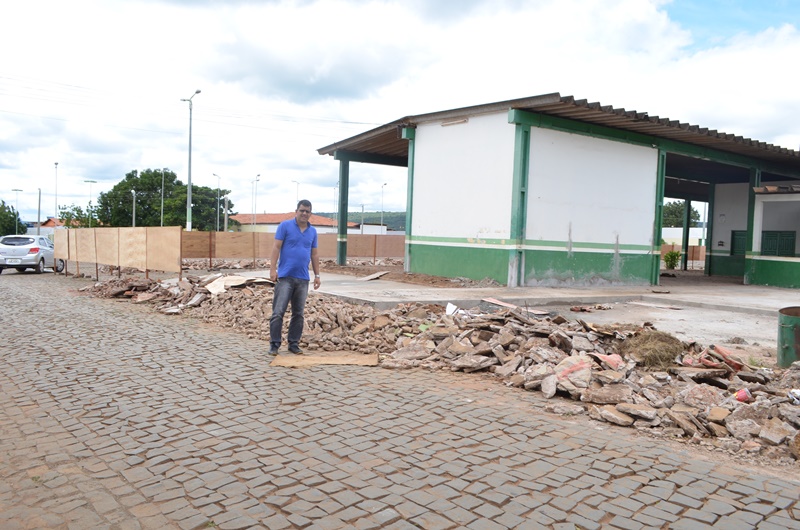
609, 372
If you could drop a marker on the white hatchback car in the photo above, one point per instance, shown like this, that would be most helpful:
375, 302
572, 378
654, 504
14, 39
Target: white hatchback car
27, 252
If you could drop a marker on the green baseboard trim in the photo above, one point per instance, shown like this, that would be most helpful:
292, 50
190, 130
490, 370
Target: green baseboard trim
726, 265
775, 273
465, 262
543, 267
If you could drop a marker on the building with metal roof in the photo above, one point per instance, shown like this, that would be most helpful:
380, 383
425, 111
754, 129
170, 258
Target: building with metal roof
552, 190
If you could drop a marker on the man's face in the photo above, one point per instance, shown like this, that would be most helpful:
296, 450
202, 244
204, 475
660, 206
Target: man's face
303, 213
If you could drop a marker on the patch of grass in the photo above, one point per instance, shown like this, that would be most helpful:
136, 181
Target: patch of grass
752, 361
655, 350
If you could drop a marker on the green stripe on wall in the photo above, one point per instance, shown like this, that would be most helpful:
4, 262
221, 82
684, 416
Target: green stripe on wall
529, 244
533, 244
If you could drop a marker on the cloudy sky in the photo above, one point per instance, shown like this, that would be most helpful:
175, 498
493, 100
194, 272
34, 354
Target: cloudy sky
96, 85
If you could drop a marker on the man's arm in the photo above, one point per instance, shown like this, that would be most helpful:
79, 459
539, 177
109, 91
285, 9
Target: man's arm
315, 266
273, 259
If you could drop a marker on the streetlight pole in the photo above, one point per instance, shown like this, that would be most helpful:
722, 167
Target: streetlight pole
133, 224
297, 193
384, 185
189, 185
162, 196
218, 177
16, 224
255, 199
89, 207
56, 192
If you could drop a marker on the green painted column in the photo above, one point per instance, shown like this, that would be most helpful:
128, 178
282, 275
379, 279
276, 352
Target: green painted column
710, 245
344, 185
655, 268
519, 197
687, 226
755, 180
410, 134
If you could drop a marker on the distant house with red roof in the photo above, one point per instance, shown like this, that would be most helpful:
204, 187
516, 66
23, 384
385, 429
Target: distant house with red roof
268, 222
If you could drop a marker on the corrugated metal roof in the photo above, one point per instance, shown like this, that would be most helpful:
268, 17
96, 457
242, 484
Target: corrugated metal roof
386, 141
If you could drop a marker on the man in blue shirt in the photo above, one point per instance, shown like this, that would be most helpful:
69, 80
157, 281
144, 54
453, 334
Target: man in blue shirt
295, 245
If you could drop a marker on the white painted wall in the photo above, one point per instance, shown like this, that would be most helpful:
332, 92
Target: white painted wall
776, 212
590, 190
462, 178
730, 213
674, 235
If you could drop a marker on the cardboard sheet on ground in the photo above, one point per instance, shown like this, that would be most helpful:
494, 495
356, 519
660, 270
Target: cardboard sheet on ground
290, 360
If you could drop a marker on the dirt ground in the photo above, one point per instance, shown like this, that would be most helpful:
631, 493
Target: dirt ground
397, 274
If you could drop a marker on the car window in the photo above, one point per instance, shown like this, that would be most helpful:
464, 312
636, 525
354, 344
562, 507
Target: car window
16, 241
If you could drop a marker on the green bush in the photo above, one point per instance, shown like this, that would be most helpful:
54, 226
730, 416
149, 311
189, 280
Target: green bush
671, 259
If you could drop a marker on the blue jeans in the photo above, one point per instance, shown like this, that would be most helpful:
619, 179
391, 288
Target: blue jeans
287, 290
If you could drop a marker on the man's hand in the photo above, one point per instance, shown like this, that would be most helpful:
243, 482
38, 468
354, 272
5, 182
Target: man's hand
273, 275
316, 282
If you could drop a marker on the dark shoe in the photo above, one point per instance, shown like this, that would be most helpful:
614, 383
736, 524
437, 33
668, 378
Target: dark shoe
295, 350
273, 350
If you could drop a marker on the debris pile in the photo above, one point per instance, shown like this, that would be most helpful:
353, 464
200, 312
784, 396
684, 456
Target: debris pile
625, 374
621, 374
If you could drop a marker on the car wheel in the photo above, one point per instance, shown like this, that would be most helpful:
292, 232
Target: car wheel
39, 267
59, 266
1, 270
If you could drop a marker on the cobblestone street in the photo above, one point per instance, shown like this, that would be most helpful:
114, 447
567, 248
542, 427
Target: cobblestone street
115, 417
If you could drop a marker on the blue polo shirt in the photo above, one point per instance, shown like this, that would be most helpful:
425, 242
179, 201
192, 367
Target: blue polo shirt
296, 249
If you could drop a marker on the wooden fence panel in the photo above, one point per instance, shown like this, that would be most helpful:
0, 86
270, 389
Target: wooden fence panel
108, 245
164, 248
133, 247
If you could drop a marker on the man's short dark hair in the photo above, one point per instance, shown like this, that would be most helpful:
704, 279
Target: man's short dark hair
303, 202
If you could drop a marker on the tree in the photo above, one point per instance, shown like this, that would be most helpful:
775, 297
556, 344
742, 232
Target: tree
10, 223
115, 207
75, 217
673, 215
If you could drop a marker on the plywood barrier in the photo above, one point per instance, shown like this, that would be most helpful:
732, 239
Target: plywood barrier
163, 248
695, 252
107, 245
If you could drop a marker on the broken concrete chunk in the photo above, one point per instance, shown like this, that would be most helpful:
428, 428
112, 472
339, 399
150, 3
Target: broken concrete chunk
560, 340
582, 344
549, 386
610, 414
576, 369
611, 394
742, 429
608, 376
461, 348
701, 396
510, 367
775, 431
565, 409
717, 414
473, 363
642, 411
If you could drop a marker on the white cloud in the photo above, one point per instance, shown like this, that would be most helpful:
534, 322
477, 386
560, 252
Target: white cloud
96, 85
